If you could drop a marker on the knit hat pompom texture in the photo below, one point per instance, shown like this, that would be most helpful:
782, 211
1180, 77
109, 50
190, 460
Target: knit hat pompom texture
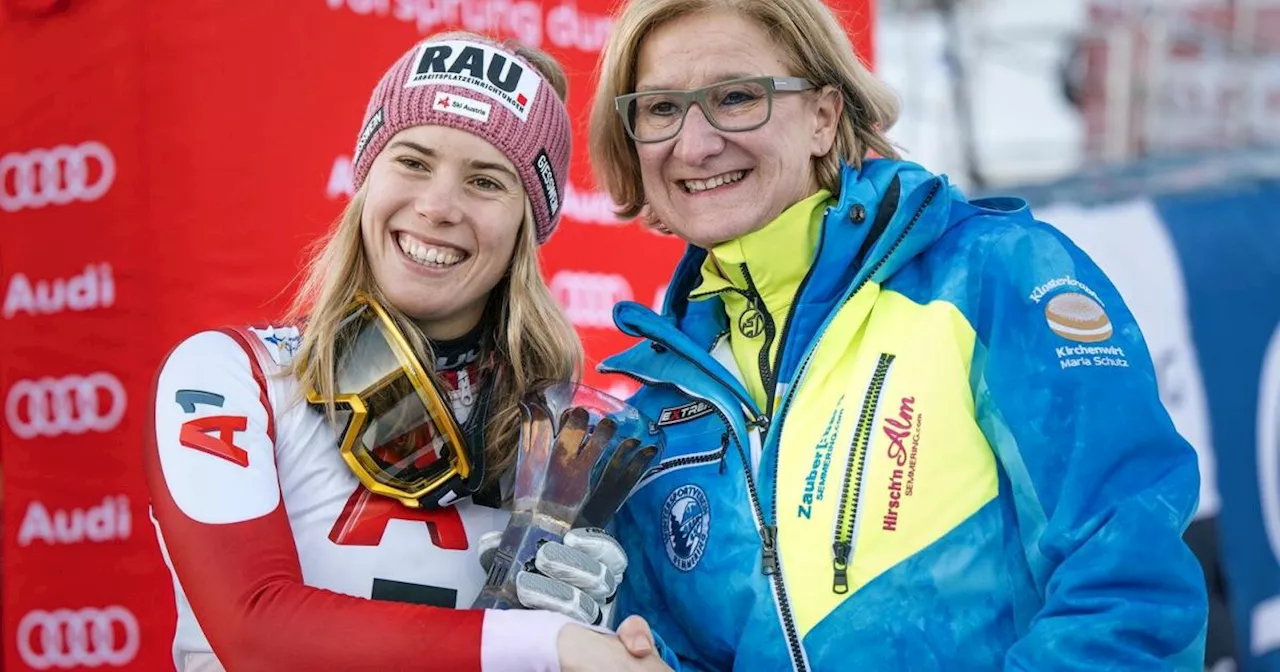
484, 89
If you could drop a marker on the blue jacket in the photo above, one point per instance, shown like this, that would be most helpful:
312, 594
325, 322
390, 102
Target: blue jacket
969, 466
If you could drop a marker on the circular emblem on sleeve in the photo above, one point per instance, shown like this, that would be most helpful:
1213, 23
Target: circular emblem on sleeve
1077, 317
686, 524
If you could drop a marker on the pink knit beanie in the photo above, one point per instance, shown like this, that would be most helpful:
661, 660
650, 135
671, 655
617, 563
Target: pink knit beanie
483, 88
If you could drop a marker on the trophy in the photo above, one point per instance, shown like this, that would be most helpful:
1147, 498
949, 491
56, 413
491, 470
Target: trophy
581, 453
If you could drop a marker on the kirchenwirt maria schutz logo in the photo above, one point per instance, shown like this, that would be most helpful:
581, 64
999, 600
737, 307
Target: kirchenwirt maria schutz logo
686, 524
1077, 317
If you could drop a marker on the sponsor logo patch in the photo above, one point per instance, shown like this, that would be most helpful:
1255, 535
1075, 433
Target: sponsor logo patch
903, 432
1038, 294
1074, 356
1076, 314
686, 526
815, 482
282, 343
679, 414
751, 323
479, 68
547, 176
366, 134
462, 106
1078, 317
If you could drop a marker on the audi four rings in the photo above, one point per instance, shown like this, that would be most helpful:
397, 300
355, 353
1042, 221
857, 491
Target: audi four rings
588, 298
55, 176
68, 405
89, 637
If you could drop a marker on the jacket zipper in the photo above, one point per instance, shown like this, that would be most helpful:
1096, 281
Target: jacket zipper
797, 652
770, 564
786, 326
689, 460
767, 375
842, 544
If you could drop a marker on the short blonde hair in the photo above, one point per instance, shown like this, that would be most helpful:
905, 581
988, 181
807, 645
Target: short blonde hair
817, 49
532, 338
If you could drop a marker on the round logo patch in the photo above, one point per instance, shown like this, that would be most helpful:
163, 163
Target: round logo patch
751, 323
686, 524
1077, 317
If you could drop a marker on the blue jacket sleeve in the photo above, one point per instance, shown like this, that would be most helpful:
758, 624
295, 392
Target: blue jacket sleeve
1103, 485
640, 595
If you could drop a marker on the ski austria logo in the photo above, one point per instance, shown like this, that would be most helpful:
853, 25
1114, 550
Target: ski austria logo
1077, 317
686, 524
479, 68
282, 342
462, 106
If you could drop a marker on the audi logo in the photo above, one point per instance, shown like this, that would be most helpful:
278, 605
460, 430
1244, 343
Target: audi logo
88, 637
68, 405
588, 298
55, 176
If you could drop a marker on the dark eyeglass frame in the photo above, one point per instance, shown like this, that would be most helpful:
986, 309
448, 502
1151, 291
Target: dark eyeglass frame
772, 85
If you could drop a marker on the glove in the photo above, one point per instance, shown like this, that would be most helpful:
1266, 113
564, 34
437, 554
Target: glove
577, 578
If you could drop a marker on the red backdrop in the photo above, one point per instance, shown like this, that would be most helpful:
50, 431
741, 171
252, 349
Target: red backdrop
162, 166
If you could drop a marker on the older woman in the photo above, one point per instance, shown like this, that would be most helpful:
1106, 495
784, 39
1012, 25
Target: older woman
905, 429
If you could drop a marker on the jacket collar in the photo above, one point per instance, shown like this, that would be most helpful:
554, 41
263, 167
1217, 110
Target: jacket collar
847, 226
888, 212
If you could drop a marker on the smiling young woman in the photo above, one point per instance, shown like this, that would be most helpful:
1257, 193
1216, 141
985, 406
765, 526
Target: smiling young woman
281, 455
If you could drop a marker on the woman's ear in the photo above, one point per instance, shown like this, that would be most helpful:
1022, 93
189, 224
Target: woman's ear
827, 109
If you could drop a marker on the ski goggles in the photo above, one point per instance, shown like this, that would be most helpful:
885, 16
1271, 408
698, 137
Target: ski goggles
397, 431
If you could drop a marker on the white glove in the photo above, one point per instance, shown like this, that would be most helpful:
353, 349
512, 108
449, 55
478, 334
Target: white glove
577, 578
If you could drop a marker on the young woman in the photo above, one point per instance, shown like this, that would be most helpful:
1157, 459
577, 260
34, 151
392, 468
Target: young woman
320, 489
904, 429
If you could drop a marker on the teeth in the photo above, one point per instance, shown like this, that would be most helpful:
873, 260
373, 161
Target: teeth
694, 186
425, 254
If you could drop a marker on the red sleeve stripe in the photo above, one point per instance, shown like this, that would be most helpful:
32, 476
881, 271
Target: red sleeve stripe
256, 352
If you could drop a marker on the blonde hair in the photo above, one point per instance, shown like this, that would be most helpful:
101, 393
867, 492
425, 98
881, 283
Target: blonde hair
817, 49
532, 339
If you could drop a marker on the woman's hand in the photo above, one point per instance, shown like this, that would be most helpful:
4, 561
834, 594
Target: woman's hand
582, 649
637, 637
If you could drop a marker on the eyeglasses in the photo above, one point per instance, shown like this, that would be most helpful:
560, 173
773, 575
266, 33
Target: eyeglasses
735, 105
